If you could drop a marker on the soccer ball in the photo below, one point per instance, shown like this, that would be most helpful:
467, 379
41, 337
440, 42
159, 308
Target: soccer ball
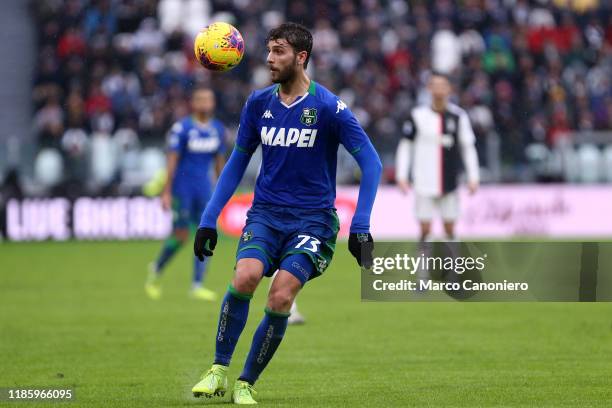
219, 47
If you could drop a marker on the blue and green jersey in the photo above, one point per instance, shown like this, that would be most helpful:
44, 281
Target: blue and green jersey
299, 145
197, 145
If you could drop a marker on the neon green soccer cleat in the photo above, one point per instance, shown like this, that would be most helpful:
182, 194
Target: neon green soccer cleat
152, 284
243, 393
213, 382
202, 293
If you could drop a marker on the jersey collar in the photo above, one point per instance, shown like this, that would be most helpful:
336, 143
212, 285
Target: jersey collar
311, 91
201, 125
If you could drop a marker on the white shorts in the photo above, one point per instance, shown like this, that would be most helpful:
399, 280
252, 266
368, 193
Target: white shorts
425, 207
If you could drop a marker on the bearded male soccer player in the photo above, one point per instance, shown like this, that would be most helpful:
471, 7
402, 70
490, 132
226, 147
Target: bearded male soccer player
195, 144
292, 225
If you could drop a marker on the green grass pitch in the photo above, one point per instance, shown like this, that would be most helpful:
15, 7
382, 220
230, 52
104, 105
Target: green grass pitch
75, 315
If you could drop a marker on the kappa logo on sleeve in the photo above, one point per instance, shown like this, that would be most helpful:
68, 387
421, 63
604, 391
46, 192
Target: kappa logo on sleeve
340, 106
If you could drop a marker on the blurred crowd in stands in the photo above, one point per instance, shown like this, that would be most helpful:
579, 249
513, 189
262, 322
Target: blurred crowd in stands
526, 71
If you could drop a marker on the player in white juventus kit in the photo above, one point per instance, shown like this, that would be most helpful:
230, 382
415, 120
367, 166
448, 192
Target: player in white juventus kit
436, 138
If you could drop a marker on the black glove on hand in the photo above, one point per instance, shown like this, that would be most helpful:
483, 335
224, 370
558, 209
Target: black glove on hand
205, 242
361, 244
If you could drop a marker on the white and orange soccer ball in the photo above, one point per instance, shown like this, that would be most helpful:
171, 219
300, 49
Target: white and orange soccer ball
219, 47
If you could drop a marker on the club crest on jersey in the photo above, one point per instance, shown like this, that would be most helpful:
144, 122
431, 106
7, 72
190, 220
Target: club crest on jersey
309, 116
246, 236
447, 141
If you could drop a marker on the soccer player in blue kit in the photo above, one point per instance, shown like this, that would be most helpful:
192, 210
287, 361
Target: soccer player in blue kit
195, 144
292, 225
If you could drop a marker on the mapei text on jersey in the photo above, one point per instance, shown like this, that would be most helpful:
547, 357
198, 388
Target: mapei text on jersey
287, 137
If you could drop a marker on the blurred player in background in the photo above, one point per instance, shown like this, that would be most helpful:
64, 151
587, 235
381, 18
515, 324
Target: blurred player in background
435, 139
292, 225
195, 144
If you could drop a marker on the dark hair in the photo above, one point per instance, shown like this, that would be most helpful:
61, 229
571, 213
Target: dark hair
298, 37
441, 75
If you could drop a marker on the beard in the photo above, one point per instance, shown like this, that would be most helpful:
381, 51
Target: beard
286, 74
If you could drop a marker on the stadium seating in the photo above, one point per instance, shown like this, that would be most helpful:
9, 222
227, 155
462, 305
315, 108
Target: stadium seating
607, 163
151, 160
133, 63
589, 158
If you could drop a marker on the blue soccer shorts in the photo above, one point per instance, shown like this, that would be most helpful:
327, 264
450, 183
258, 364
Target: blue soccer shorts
301, 241
187, 208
